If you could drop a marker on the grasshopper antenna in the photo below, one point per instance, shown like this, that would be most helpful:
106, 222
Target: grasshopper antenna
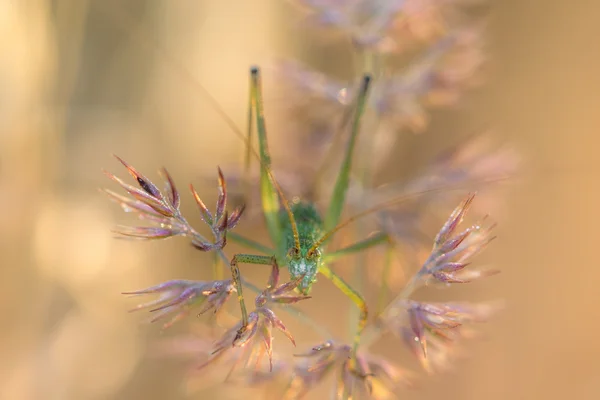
393, 202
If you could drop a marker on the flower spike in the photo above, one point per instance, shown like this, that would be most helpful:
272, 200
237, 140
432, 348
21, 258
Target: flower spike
163, 210
178, 296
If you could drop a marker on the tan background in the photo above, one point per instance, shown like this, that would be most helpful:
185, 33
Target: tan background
77, 86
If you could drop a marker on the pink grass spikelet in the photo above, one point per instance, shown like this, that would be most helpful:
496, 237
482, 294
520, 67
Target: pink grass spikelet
434, 330
254, 341
388, 26
179, 296
258, 332
163, 210
401, 98
434, 318
366, 377
452, 251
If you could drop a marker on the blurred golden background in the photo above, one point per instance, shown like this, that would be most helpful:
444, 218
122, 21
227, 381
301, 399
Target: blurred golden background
82, 79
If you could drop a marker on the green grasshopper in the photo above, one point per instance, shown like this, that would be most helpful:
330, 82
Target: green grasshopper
297, 230
299, 233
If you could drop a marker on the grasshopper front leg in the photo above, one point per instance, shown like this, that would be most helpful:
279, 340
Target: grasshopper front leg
237, 280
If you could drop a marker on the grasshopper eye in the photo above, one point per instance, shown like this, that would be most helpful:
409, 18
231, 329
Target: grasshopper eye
293, 253
314, 253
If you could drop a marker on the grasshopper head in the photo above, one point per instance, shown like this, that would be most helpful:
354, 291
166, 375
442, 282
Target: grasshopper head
304, 264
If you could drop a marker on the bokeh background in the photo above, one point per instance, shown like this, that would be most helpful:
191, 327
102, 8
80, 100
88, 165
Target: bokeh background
81, 80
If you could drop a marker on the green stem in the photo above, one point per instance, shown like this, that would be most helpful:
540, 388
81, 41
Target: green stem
217, 270
385, 277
